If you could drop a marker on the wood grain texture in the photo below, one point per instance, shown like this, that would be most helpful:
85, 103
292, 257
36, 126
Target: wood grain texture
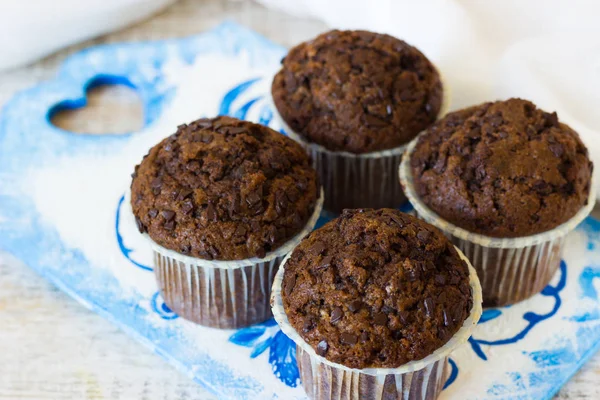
53, 348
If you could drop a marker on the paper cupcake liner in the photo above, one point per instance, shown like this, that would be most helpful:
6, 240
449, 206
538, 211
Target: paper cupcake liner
222, 294
416, 380
323, 382
357, 180
510, 269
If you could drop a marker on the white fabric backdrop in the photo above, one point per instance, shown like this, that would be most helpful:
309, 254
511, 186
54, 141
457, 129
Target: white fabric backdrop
547, 51
31, 29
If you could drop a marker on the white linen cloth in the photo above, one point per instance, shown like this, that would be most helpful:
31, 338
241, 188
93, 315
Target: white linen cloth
31, 29
547, 51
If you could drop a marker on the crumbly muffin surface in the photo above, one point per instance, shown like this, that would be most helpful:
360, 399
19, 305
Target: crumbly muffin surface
376, 288
224, 189
503, 169
357, 91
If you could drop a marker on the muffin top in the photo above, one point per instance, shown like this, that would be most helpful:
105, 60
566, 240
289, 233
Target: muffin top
503, 169
223, 189
376, 288
357, 91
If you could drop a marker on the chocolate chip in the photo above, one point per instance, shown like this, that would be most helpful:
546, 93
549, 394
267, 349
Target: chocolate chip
211, 213
253, 198
152, 213
348, 338
364, 337
169, 225
289, 283
325, 262
240, 230
397, 219
552, 120
308, 325
168, 215
156, 183
441, 298
355, 305
261, 252
336, 314
213, 251
301, 185
496, 120
557, 149
234, 130
234, 206
281, 202
412, 274
193, 166
404, 316
440, 279
317, 248
140, 225
184, 194
427, 266
205, 254
185, 249
297, 220
428, 108
272, 235
322, 348
457, 312
423, 235
255, 225
447, 321
203, 123
206, 137
374, 121
187, 206
380, 318
542, 187
429, 306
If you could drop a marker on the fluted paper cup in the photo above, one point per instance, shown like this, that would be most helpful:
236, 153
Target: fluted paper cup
222, 294
510, 269
417, 380
357, 180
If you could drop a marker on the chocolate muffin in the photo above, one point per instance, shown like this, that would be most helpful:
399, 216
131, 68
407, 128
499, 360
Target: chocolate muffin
502, 169
354, 99
376, 289
357, 91
223, 189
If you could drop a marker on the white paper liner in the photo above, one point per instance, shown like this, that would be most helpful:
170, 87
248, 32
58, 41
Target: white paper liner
216, 297
221, 294
322, 382
510, 275
357, 180
440, 354
428, 215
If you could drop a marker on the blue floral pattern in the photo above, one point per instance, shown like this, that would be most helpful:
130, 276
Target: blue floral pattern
282, 350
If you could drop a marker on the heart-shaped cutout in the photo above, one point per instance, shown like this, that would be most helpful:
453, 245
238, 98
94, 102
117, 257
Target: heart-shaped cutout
112, 106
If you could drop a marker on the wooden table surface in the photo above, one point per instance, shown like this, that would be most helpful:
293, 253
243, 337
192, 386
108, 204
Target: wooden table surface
53, 348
